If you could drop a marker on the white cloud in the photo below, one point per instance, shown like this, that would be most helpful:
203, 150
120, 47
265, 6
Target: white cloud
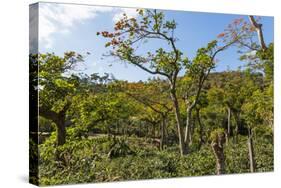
130, 12
60, 18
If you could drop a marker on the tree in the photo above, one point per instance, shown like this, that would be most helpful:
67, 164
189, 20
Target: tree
260, 58
104, 106
258, 28
229, 93
163, 62
57, 86
251, 44
218, 139
257, 112
154, 95
197, 72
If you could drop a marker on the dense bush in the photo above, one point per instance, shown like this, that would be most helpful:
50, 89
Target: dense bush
88, 160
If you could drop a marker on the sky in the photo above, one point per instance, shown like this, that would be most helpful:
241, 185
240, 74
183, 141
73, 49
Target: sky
69, 27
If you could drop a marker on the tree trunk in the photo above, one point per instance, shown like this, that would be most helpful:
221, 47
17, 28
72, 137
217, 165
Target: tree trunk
228, 123
162, 132
219, 159
166, 128
201, 141
58, 119
61, 132
258, 28
192, 127
251, 152
188, 128
217, 146
183, 149
237, 127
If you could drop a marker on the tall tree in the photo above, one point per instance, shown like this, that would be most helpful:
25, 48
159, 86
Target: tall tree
168, 62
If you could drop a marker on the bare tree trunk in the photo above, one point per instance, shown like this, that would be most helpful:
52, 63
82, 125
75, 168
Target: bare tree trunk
201, 141
166, 128
161, 135
236, 132
217, 146
251, 152
191, 125
187, 127
219, 159
162, 131
187, 135
258, 28
228, 124
183, 149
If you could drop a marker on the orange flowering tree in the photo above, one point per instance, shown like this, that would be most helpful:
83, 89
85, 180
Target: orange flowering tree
130, 34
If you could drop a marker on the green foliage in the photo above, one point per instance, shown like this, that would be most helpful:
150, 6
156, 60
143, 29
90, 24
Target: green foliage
114, 128
237, 155
258, 109
90, 156
203, 61
198, 163
119, 148
262, 60
216, 134
55, 88
267, 57
46, 125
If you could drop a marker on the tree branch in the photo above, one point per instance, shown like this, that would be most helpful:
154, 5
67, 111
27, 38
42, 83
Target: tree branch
258, 28
48, 114
134, 61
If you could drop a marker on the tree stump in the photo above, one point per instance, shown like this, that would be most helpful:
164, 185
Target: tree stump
218, 139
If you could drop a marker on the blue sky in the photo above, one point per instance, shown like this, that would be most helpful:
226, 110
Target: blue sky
66, 27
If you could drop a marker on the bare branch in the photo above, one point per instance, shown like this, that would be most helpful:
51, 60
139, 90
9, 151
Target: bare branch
258, 28
135, 60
